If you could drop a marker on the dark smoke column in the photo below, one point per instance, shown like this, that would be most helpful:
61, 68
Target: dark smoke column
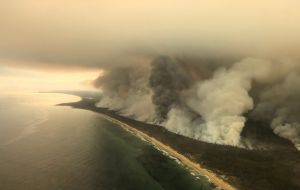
166, 81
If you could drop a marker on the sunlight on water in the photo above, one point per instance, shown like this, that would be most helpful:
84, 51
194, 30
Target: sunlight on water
40, 99
48, 147
21, 113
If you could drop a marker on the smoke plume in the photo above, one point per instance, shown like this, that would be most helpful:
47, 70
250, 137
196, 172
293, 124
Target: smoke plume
125, 89
280, 105
167, 80
208, 102
222, 100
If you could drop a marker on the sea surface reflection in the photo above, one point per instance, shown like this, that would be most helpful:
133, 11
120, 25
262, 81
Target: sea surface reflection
48, 147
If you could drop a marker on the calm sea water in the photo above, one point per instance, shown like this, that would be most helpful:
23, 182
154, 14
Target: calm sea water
48, 147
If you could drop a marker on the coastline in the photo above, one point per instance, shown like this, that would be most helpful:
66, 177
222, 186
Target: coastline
221, 164
213, 178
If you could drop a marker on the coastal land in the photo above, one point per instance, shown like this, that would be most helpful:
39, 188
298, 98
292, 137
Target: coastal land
227, 167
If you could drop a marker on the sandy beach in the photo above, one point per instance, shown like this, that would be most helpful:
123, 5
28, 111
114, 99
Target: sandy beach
216, 180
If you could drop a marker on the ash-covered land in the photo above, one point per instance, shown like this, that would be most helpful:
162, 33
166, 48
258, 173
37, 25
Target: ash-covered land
273, 164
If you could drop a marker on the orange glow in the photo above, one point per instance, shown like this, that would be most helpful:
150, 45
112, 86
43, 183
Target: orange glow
17, 79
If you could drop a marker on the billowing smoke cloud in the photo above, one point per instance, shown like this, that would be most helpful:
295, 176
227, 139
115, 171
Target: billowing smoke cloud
212, 107
125, 89
223, 99
280, 105
167, 80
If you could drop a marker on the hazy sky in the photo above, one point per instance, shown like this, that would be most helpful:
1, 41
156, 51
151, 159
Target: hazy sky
29, 79
82, 35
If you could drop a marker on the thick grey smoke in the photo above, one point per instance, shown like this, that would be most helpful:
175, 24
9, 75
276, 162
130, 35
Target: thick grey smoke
167, 80
223, 99
280, 105
125, 89
204, 102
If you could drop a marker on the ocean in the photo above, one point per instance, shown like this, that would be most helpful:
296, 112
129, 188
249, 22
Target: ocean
49, 147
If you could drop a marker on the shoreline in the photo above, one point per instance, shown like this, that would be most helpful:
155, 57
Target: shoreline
225, 166
212, 177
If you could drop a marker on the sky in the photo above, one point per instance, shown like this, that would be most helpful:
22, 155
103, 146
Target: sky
65, 43
15, 79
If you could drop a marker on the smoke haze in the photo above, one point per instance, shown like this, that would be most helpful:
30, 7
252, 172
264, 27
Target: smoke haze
107, 33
